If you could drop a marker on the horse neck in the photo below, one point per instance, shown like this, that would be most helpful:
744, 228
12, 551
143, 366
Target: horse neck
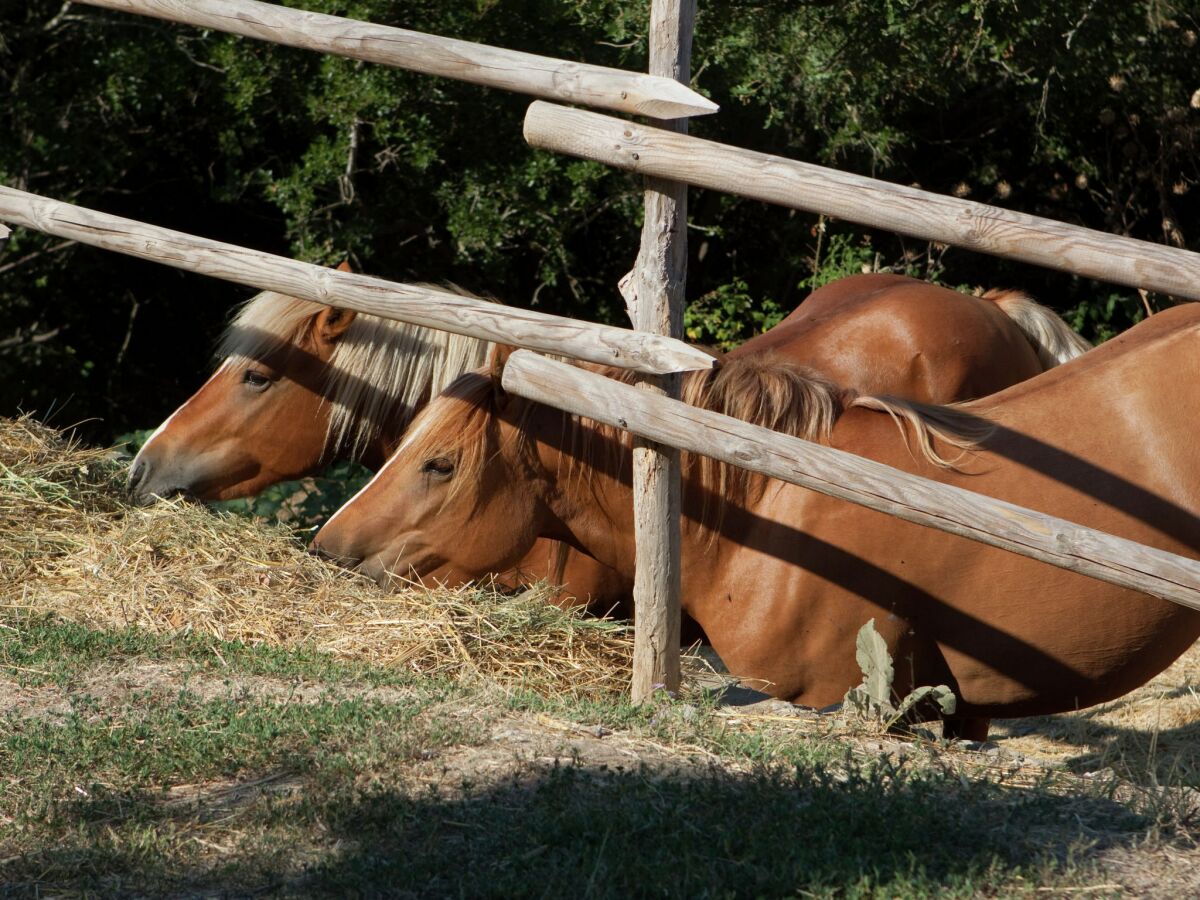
591, 499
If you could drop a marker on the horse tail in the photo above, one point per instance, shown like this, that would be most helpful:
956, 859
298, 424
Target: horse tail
961, 430
1053, 339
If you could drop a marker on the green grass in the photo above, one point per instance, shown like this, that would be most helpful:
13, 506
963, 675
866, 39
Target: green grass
43, 649
199, 785
861, 832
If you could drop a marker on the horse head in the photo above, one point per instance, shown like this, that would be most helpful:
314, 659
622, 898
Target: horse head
462, 496
262, 416
299, 385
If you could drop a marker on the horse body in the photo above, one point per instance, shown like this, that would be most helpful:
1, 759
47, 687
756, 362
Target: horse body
302, 383
1107, 441
783, 578
889, 334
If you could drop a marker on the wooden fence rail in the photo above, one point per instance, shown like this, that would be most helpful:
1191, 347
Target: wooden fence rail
862, 481
417, 304
868, 201
525, 73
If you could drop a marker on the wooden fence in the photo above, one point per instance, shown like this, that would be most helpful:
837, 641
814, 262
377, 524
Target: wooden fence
669, 159
524, 73
418, 304
862, 481
867, 201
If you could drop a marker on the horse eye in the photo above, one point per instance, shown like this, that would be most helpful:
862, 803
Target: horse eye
441, 466
256, 380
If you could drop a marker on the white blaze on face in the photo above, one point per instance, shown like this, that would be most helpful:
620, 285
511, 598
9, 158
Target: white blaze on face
412, 435
163, 427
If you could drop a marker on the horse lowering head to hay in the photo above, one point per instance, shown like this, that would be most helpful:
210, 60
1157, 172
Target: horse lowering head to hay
782, 578
301, 384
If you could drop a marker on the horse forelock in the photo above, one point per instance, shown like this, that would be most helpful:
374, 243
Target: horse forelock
380, 372
462, 423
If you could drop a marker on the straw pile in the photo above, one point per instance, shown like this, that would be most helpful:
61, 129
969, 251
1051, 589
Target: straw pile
71, 545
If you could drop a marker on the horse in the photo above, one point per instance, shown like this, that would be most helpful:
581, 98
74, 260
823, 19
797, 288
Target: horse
301, 383
782, 578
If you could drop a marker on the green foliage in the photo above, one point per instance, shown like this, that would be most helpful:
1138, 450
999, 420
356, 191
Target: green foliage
728, 316
1105, 318
873, 699
304, 504
1080, 110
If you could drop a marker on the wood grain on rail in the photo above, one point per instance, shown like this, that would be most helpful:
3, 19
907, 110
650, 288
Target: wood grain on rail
417, 304
526, 73
865, 482
906, 210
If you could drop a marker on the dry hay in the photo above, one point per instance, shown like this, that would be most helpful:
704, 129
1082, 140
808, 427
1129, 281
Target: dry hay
72, 545
1150, 734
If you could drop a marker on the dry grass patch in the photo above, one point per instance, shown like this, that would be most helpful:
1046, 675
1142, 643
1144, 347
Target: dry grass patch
74, 546
1151, 734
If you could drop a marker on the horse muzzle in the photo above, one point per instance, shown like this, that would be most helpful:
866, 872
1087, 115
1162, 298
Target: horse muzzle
147, 485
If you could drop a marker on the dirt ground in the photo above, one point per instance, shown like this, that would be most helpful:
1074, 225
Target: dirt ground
523, 746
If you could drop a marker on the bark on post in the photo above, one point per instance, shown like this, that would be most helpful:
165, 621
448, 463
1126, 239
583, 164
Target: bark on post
658, 285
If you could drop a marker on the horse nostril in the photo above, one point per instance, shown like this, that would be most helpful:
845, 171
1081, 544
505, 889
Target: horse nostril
137, 474
321, 553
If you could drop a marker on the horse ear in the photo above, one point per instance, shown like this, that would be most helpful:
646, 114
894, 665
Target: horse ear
344, 266
496, 362
498, 358
331, 323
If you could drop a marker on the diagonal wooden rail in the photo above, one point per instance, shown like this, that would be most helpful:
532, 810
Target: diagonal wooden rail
525, 73
865, 482
989, 229
417, 304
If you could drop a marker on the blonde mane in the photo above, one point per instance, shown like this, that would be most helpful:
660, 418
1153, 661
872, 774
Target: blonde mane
1053, 339
765, 390
381, 371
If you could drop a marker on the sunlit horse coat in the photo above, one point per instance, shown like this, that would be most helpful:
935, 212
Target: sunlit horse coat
301, 383
782, 578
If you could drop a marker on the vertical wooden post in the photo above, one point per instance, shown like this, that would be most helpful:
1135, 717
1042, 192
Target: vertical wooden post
659, 277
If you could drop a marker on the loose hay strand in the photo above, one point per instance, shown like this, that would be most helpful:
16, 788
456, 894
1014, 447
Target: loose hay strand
72, 545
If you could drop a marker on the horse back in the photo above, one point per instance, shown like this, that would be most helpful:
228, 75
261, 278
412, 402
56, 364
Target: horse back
889, 334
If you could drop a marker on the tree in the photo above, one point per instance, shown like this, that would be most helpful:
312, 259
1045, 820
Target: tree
1084, 110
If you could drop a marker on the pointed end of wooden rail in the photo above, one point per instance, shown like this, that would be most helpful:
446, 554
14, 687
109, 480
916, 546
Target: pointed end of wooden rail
5, 231
673, 100
664, 355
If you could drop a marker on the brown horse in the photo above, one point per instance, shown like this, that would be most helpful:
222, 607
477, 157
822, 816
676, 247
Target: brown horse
301, 384
782, 578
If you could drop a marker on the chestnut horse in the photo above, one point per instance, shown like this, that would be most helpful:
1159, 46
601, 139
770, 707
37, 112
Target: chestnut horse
302, 383
782, 578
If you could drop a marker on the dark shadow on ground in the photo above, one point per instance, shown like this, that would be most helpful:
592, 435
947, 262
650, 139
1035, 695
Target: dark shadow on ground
1145, 756
566, 831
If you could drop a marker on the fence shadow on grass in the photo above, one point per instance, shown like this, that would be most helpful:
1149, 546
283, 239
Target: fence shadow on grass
569, 831
1146, 755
